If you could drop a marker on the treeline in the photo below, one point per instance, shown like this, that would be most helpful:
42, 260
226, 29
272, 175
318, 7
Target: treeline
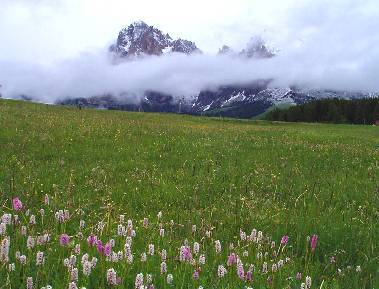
335, 110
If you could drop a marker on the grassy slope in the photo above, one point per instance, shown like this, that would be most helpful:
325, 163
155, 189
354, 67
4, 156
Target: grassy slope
282, 178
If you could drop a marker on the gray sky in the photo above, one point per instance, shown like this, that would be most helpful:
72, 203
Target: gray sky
323, 44
51, 29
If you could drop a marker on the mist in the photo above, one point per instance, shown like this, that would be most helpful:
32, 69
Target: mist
322, 45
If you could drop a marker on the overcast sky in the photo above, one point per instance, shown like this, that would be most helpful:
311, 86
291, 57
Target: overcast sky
51, 29
331, 43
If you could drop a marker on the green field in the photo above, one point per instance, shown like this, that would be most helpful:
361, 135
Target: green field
221, 175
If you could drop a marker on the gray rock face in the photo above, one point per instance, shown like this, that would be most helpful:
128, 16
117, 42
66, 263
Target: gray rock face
140, 39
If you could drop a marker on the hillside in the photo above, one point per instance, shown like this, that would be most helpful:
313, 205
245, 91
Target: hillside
225, 176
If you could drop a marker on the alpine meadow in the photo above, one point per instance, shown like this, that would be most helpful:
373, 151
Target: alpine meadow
112, 199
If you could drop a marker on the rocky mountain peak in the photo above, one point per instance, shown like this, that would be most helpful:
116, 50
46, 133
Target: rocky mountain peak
141, 39
257, 48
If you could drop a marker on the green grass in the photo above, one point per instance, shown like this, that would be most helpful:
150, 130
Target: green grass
280, 178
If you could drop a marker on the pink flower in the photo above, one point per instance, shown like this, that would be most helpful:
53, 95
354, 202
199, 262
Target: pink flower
314, 242
107, 249
17, 204
298, 275
195, 274
91, 240
284, 240
249, 276
99, 246
64, 239
231, 259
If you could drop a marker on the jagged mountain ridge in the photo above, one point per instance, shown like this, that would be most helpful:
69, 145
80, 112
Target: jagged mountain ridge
243, 101
140, 39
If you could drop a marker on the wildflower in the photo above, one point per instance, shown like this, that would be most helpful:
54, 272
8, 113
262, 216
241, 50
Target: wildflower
122, 219
163, 268
240, 272
196, 247
72, 285
302, 286
149, 279
264, 268
22, 259
272, 244
231, 259
72, 260
159, 216
42, 212
202, 259
185, 253
242, 235
143, 257
284, 240
164, 255
82, 223
218, 246
314, 242
32, 220
40, 258
151, 249
170, 278
74, 275
91, 240
145, 222
94, 261
6, 219
99, 247
29, 283
46, 199
11, 267
129, 258
100, 226
111, 277
249, 276
259, 237
120, 230
161, 232
208, 234
358, 269
4, 250
253, 234
87, 267
139, 281
64, 239
130, 225
195, 274
298, 275
280, 263
308, 282
3, 228
17, 204
77, 249
274, 268
221, 271
107, 249
269, 280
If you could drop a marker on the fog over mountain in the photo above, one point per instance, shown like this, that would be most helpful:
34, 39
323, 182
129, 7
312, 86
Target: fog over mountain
318, 44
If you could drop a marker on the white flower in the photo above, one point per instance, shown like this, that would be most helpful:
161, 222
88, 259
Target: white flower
170, 278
